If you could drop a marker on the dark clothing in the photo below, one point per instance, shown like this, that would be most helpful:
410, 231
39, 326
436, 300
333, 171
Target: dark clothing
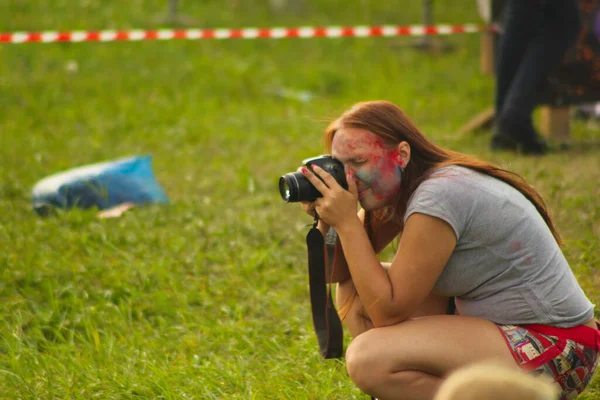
537, 34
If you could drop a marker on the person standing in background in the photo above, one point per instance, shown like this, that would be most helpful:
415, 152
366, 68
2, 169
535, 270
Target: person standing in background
537, 34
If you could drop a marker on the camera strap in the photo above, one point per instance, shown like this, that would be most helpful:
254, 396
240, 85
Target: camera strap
326, 321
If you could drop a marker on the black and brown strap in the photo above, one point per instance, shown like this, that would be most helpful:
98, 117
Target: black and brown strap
326, 321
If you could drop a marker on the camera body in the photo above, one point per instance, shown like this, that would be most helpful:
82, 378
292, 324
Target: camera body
295, 187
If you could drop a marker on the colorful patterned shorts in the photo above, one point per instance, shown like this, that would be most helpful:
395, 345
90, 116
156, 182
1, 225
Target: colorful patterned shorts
570, 364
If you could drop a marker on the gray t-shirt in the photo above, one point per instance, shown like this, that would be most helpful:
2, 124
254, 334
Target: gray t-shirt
507, 266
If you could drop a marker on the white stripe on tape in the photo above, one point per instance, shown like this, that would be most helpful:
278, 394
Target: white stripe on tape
78, 36
20, 37
194, 34
165, 34
306, 32
250, 33
334, 31
278, 33
362, 31
417, 30
48, 37
106, 36
222, 33
389, 30
444, 29
137, 35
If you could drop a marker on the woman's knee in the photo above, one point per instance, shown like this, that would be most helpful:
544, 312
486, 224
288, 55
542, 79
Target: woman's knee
364, 363
369, 369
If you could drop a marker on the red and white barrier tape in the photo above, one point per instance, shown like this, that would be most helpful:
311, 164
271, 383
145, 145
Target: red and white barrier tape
246, 33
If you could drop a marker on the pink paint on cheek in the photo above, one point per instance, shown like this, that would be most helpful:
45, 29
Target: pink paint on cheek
374, 158
388, 166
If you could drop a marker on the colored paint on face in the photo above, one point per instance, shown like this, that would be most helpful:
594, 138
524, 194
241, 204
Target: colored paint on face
375, 167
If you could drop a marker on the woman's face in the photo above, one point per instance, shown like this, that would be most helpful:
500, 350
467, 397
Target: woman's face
375, 168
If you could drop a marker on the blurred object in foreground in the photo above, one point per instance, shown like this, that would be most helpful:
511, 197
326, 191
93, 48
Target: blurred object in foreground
495, 381
104, 185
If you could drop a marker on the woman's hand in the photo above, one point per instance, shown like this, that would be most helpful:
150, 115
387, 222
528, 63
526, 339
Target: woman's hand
308, 207
338, 206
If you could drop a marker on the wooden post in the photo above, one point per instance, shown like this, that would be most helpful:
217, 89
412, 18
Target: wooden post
555, 123
172, 15
487, 59
427, 20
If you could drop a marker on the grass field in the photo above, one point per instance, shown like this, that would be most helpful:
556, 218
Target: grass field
207, 297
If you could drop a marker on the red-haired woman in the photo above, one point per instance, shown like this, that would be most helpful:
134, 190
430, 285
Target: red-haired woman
467, 229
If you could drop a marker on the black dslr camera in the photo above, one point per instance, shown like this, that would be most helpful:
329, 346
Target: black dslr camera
294, 186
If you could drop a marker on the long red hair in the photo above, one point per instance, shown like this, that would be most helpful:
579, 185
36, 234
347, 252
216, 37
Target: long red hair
393, 125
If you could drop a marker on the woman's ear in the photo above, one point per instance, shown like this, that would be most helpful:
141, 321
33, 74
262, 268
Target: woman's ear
403, 154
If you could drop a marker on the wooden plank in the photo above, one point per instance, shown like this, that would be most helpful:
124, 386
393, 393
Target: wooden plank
555, 123
487, 55
481, 121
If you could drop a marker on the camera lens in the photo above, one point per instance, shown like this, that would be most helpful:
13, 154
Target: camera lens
294, 187
288, 187
284, 188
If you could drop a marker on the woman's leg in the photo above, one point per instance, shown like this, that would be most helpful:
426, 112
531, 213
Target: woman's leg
409, 360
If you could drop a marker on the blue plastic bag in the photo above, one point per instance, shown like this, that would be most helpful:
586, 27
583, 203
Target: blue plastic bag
103, 185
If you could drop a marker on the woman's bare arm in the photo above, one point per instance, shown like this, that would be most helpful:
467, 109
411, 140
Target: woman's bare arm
385, 232
391, 296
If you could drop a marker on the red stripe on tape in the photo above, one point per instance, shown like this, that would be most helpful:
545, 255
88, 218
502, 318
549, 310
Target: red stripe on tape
376, 31
63, 37
93, 36
264, 33
34, 37
236, 34
180, 34
347, 32
208, 34
320, 32
430, 30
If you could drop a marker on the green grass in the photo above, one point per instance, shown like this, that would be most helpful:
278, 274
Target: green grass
207, 297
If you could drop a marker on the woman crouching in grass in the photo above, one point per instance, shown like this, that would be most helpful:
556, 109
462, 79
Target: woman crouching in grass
468, 230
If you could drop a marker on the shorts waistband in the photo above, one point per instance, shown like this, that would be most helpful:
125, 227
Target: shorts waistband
582, 334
